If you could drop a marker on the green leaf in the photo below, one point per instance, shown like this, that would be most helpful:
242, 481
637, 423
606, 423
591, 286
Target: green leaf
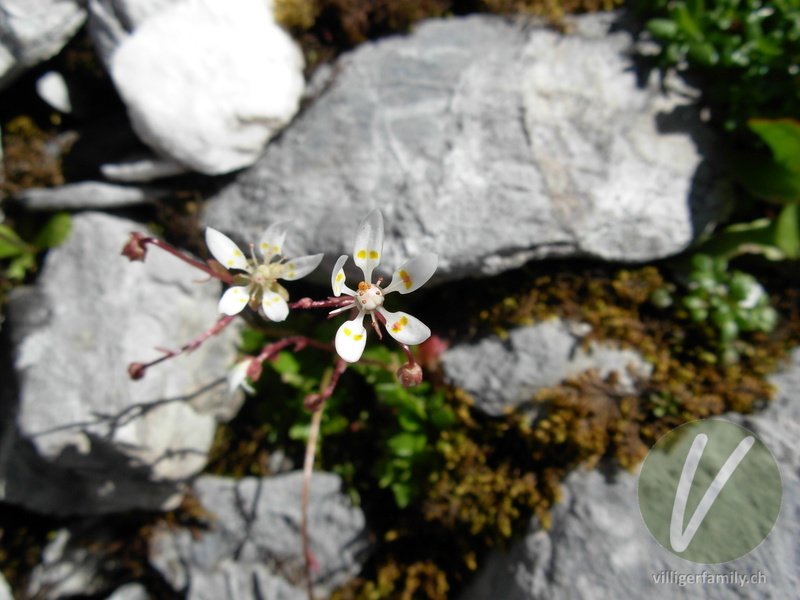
783, 138
300, 431
10, 243
766, 178
402, 494
335, 425
409, 421
286, 364
787, 231
686, 23
54, 232
20, 265
703, 53
443, 417
407, 444
665, 29
757, 237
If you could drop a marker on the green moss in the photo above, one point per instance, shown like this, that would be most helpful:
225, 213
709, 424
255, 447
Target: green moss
489, 476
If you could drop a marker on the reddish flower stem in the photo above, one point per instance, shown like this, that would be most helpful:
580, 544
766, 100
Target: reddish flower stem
222, 276
409, 355
331, 302
137, 370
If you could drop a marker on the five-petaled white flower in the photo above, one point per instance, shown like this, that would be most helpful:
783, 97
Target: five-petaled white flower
260, 287
352, 335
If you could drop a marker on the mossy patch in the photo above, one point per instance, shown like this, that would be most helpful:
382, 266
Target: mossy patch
325, 28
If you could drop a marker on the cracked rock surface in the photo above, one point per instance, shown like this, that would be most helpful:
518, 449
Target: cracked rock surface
491, 144
503, 374
81, 437
253, 544
32, 31
598, 545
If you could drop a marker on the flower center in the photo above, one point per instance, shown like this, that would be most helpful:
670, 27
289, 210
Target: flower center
267, 273
369, 297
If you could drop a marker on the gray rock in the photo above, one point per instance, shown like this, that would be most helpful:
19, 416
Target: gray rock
130, 591
32, 31
80, 436
5, 589
502, 374
253, 544
599, 547
67, 569
227, 79
490, 144
88, 195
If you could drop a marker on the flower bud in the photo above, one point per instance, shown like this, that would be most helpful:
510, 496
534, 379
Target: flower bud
136, 370
136, 247
410, 375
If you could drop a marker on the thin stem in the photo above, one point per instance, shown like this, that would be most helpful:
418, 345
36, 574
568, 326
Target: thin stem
331, 302
137, 370
226, 277
409, 355
308, 468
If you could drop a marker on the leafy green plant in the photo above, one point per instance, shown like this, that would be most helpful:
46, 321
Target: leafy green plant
420, 414
730, 301
745, 51
21, 255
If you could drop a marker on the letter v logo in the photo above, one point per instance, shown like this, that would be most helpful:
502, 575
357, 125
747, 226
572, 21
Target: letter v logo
710, 491
678, 539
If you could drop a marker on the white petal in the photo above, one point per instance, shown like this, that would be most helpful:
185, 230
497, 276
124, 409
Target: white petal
405, 328
300, 267
225, 250
234, 300
337, 278
237, 376
369, 243
272, 240
413, 273
275, 308
351, 339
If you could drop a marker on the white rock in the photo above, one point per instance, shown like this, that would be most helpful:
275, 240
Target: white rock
52, 88
87, 194
142, 169
209, 83
34, 30
86, 438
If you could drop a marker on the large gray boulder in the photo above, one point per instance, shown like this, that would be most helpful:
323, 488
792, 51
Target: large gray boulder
81, 437
32, 31
491, 144
252, 548
206, 83
502, 374
599, 547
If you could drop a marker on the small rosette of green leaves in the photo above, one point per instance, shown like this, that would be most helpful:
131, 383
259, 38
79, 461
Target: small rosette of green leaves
731, 301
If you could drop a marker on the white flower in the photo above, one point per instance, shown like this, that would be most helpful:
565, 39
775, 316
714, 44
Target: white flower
352, 335
260, 287
237, 377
